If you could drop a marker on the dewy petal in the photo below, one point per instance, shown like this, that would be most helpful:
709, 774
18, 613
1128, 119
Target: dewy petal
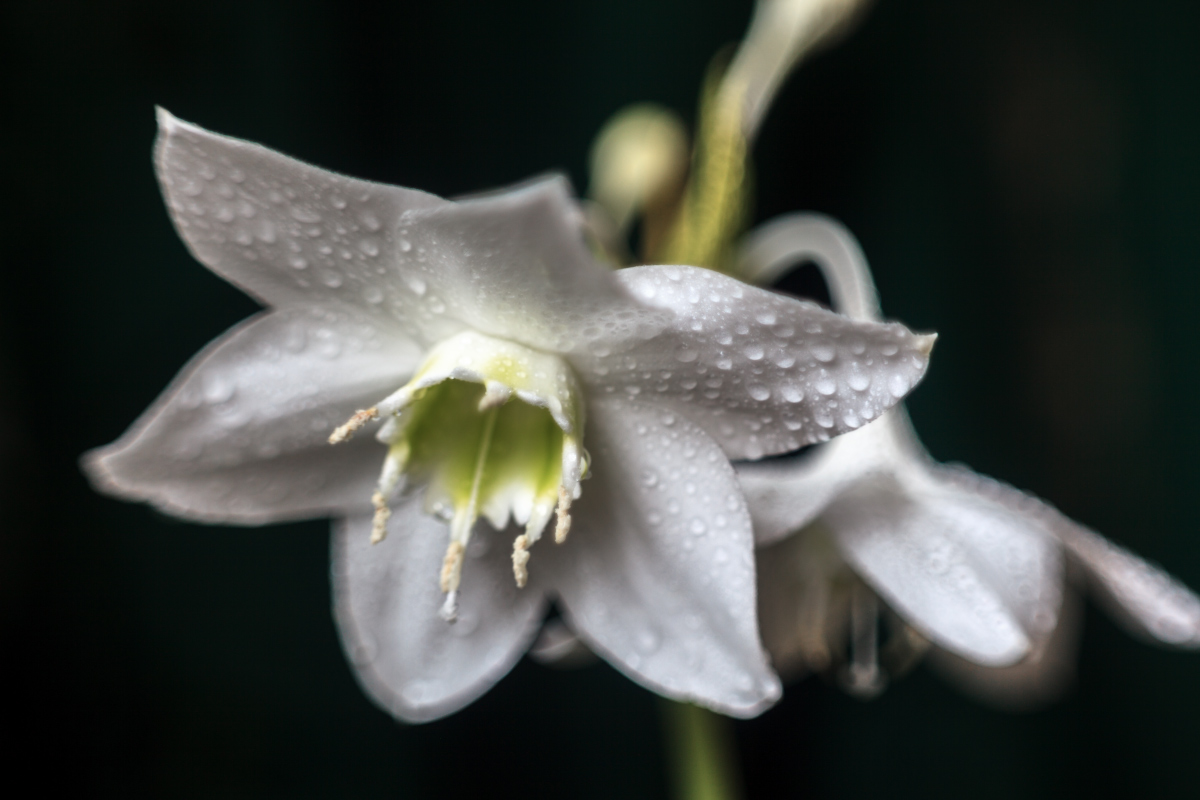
1014, 551
658, 575
241, 435
1142, 596
760, 372
786, 495
410, 661
514, 265
286, 232
912, 555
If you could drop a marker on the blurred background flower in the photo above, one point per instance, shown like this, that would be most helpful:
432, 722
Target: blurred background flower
1024, 176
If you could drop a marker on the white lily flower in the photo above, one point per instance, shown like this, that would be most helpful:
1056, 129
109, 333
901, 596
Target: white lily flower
485, 336
972, 565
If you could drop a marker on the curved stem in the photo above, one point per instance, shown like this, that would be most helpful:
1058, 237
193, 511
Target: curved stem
781, 244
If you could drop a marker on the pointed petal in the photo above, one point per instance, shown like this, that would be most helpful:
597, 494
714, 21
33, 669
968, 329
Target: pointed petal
241, 434
386, 600
760, 372
658, 573
513, 264
286, 232
1143, 597
901, 546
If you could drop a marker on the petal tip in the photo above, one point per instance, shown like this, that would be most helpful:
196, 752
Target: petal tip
924, 343
167, 121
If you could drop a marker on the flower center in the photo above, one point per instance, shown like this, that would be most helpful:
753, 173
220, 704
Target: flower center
490, 428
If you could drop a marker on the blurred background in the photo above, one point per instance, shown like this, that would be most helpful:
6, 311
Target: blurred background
1024, 177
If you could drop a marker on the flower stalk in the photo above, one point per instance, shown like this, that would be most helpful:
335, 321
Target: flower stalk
703, 763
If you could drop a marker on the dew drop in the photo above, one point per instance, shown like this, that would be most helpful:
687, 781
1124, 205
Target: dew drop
759, 392
859, 382
898, 385
822, 352
826, 386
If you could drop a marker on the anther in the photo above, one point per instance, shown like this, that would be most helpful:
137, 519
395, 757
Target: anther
360, 418
563, 526
520, 558
382, 514
452, 567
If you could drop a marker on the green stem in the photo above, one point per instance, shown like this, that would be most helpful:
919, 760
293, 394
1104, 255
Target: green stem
700, 747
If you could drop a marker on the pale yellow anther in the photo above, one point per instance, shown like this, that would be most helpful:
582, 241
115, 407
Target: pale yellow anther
520, 558
360, 418
563, 526
382, 514
452, 567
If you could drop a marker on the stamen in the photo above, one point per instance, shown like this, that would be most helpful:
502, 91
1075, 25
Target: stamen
464, 520
452, 567
389, 478
863, 676
382, 514
360, 418
563, 527
520, 558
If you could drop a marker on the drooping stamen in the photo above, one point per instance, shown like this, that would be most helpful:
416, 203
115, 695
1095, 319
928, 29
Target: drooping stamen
563, 526
452, 567
389, 478
464, 519
520, 558
360, 418
863, 676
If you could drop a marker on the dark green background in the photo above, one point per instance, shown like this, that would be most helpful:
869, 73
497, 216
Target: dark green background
1025, 177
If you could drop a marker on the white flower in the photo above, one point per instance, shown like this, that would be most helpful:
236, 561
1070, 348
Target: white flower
487, 338
974, 566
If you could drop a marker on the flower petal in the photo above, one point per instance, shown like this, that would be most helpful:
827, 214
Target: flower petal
386, 600
1037, 680
658, 573
760, 372
513, 264
284, 231
1007, 538
241, 435
1147, 600
788, 494
913, 555
1142, 596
